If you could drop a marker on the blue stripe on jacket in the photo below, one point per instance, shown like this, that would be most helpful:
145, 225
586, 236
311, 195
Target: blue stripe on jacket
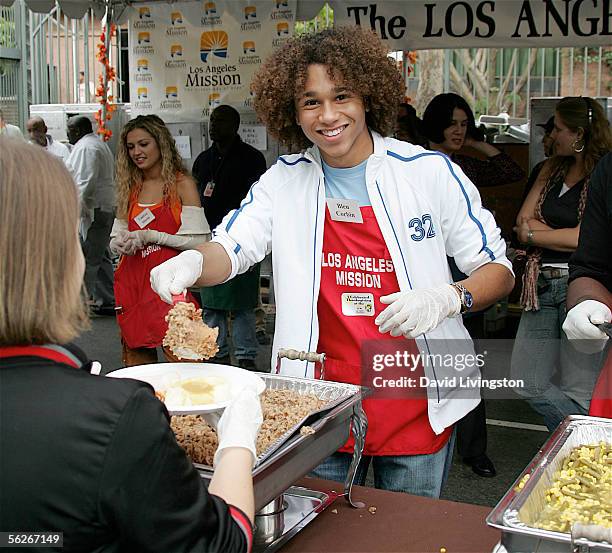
469, 205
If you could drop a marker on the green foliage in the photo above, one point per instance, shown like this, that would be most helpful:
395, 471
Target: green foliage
592, 56
7, 33
323, 20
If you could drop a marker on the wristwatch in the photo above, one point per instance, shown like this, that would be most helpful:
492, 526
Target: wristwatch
465, 296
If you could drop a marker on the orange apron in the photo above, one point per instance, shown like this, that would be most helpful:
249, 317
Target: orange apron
140, 311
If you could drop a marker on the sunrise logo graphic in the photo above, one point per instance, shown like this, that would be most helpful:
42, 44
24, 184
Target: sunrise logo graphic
248, 47
210, 8
250, 12
176, 51
213, 42
171, 93
143, 93
214, 100
144, 38
176, 18
281, 4
144, 13
142, 65
282, 28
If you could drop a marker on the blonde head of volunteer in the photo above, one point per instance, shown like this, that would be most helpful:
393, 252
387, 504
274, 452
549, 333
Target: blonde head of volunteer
90, 456
158, 214
372, 271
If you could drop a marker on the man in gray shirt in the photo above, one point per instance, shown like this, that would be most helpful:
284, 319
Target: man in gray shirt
92, 164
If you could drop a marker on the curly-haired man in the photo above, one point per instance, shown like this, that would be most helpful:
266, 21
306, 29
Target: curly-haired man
360, 226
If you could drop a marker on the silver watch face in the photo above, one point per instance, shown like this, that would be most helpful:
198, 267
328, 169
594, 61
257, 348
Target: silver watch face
467, 299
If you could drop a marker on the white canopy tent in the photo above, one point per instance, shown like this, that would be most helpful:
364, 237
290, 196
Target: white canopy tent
307, 9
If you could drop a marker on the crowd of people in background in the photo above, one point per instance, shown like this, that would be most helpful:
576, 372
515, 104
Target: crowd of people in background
336, 114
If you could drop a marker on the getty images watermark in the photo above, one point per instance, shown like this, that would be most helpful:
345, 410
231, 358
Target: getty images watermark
398, 369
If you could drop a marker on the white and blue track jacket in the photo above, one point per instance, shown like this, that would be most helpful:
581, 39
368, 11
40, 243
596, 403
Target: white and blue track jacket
426, 209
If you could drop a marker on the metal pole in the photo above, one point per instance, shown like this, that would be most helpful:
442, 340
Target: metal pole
67, 66
571, 72
51, 57
528, 101
514, 74
446, 69
88, 98
75, 62
488, 62
93, 52
58, 21
542, 70
599, 57
32, 75
585, 69
22, 92
558, 72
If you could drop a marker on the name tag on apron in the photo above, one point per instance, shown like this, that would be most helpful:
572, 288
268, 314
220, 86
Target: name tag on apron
345, 211
144, 218
358, 305
210, 187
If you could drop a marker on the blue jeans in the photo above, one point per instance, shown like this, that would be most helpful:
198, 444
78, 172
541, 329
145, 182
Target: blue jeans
416, 474
244, 337
542, 350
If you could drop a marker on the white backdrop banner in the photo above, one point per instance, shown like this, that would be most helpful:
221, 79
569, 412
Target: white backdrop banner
422, 24
186, 58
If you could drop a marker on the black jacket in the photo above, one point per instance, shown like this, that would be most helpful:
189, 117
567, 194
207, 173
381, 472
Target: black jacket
95, 458
233, 175
593, 257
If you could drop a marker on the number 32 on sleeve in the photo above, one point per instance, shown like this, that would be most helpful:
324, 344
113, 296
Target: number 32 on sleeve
423, 227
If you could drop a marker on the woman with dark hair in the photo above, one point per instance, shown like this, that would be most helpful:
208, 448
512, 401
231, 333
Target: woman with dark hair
448, 123
158, 214
549, 224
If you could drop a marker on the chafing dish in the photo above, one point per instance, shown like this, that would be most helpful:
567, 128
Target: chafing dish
517, 512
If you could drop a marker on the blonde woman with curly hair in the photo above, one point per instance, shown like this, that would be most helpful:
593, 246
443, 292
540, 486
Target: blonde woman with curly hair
360, 226
558, 379
158, 214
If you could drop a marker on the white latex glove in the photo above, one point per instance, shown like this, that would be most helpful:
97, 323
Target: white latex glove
177, 274
239, 424
123, 243
579, 326
417, 312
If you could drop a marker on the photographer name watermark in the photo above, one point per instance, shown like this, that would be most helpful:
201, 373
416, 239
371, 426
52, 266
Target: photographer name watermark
399, 369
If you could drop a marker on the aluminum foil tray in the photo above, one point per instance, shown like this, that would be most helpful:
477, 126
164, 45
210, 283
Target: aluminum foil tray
518, 511
295, 455
333, 393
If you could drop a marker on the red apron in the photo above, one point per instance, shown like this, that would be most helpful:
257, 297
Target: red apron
356, 261
601, 402
140, 311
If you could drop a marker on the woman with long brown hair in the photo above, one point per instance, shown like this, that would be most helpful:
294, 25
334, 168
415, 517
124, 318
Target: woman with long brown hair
558, 379
158, 213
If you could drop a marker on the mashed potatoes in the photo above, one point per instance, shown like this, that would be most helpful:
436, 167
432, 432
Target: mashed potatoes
204, 390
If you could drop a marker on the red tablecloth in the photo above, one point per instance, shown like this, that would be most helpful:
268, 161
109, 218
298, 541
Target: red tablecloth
402, 523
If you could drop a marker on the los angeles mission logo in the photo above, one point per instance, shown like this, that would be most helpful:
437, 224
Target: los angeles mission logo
249, 54
251, 23
172, 99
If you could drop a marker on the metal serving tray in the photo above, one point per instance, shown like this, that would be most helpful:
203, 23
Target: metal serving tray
516, 513
295, 455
